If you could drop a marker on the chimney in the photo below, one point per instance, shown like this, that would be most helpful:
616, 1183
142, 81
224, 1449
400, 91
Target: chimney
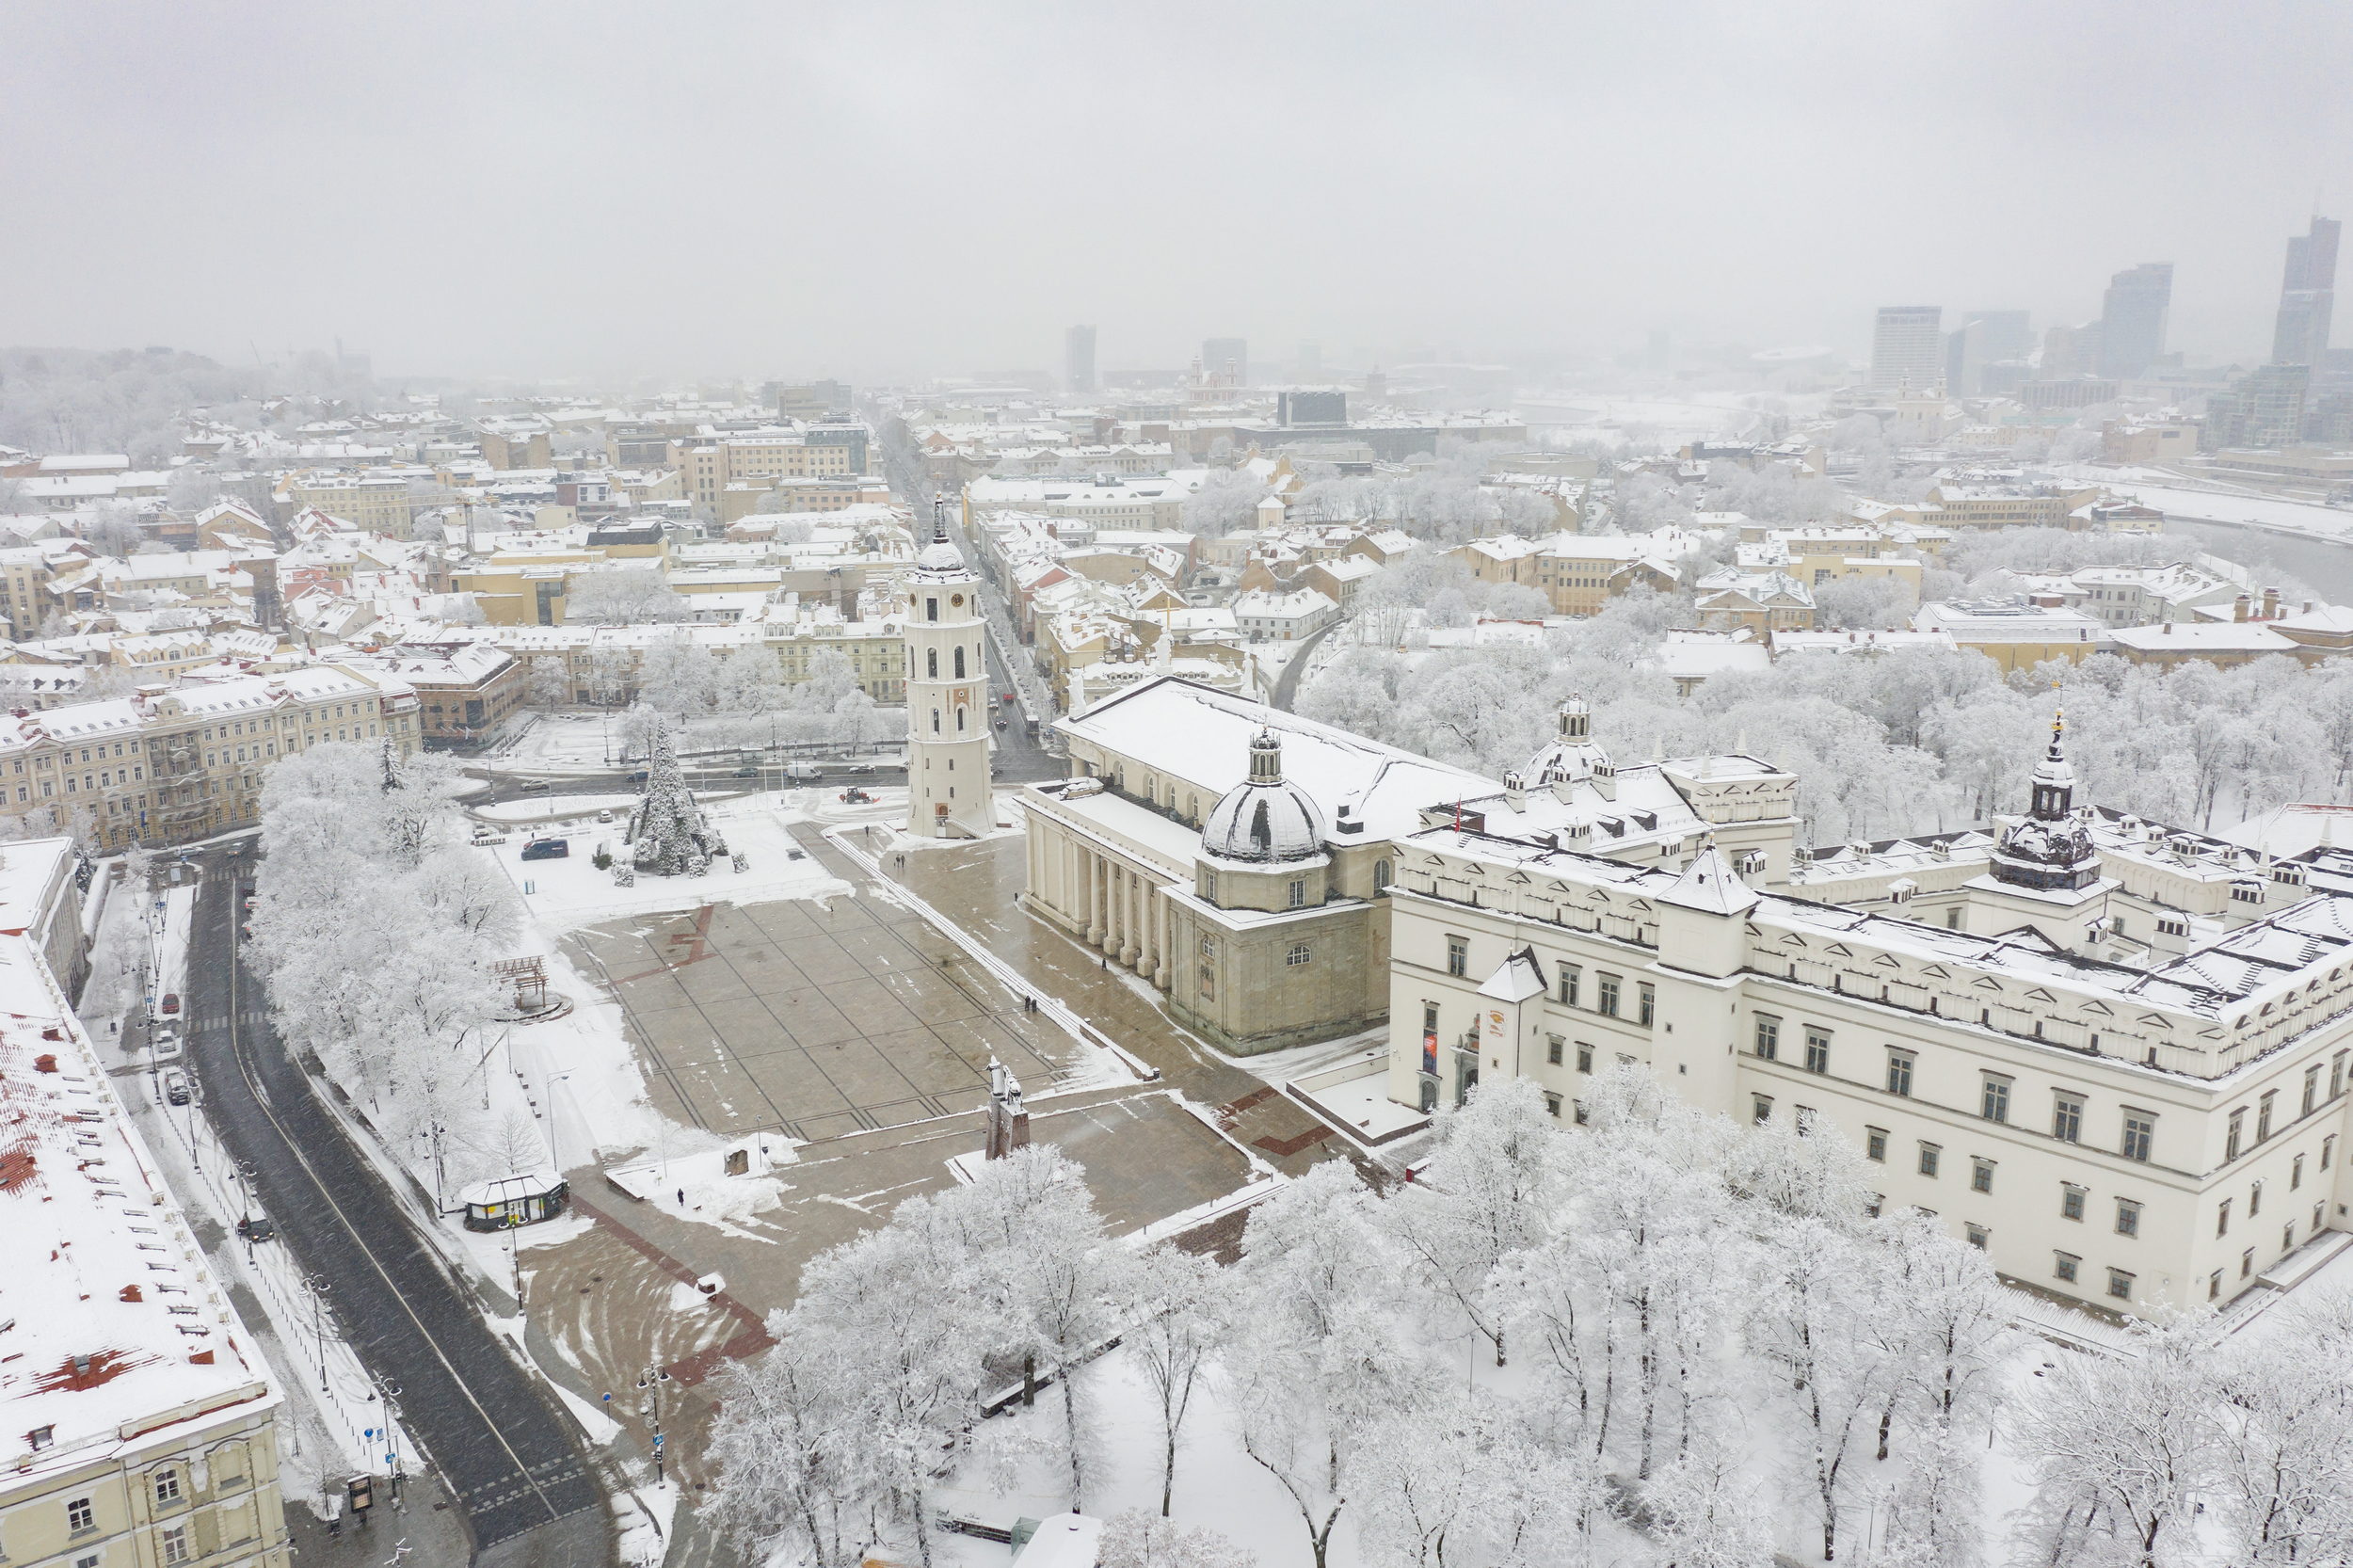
1514, 791
2167, 630
2271, 604
2238, 608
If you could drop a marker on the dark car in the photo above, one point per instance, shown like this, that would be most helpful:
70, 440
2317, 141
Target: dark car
637, 777
548, 849
172, 1004
176, 1087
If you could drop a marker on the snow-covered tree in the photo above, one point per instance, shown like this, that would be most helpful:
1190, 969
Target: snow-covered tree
1140, 1540
622, 596
1184, 1315
669, 834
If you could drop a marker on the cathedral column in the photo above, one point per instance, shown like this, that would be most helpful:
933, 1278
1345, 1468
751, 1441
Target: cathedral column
1130, 900
1094, 871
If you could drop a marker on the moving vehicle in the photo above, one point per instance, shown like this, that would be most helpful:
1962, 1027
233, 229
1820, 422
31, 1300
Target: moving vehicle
748, 772
548, 849
172, 1004
176, 1086
855, 796
605, 815
535, 786
802, 770
1005, 697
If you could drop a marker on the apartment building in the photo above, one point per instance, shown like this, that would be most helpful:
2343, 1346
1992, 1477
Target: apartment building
2129, 1126
1579, 573
1998, 502
2018, 633
709, 462
139, 1424
178, 763
377, 501
465, 687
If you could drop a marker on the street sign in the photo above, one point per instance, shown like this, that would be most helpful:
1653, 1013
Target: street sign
656, 1442
361, 1491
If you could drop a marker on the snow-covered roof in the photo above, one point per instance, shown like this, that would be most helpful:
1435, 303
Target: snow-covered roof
1182, 730
115, 1331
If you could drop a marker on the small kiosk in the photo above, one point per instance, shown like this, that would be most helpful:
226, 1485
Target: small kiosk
506, 1202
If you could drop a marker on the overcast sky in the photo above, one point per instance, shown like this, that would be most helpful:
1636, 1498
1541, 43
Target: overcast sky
880, 190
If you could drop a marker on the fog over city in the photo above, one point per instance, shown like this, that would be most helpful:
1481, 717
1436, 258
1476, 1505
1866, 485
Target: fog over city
905, 190
1220, 786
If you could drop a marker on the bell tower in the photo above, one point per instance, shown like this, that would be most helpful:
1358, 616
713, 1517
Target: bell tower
948, 693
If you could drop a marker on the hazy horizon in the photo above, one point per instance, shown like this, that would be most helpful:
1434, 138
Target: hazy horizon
543, 192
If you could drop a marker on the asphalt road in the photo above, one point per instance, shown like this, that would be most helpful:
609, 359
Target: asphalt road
509, 1460
1287, 685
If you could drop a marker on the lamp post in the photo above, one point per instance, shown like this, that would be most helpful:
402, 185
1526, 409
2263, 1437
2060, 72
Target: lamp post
652, 1382
318, 1286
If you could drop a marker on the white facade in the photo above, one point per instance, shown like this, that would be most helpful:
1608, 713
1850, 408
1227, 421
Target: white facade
949, 700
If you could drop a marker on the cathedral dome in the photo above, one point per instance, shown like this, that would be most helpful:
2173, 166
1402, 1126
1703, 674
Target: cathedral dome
1263, 819
2049, 848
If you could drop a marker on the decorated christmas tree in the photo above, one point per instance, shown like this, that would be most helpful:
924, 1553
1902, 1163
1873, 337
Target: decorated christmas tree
668, 834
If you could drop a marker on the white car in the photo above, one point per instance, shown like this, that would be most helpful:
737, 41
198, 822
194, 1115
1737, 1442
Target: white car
485, 834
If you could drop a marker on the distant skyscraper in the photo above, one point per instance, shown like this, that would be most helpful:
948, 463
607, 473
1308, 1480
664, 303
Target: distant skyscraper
1078, 360
2131, 319
1984, 338
1227, 356
2308, 297
1906, 345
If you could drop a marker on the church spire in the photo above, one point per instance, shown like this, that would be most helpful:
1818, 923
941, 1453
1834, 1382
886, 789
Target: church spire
2054, 778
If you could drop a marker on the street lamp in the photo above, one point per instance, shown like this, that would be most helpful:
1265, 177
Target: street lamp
318, 1286
652, 1382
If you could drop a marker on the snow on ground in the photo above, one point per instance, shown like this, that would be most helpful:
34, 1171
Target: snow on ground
591, 743
696, 1186
643, 1515
564, 895
544, 807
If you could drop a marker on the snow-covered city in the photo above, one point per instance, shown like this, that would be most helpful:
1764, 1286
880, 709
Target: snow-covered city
795, 877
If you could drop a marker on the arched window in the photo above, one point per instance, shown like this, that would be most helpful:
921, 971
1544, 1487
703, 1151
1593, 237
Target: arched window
1380, 874
934, 721
959, 717
959, 662
931, 609
930, 663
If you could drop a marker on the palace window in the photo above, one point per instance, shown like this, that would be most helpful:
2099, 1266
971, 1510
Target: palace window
1299, 955
2067, 1117
2071, 1200
1875, 1142
1570, 974
1981, 1175
1767, 1036
2065, 1266
2127, 1217
1993, 1104
2119, 1285
1606, 994
1899, 1070
1931, 1156
1553, 1044
1646, 1002
2140, 1132
1817, 1049
1458, 955
1760, 1108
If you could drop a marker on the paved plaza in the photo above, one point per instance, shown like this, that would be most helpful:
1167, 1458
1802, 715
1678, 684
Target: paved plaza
822, 1018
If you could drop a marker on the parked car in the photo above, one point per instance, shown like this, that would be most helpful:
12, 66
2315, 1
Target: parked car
535, 786
176, 1086
747, 773
637, 777
548, 849
484, 834
253, 1227
172, 1004
605, 815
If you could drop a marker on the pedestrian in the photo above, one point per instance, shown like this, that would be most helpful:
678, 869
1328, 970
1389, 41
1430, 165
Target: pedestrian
681, 1197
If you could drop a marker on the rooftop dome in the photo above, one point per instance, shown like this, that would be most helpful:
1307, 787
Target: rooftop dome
940, 556
1264, 820
2049, 847
1573, 756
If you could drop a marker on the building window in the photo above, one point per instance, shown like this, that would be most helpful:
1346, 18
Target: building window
2066, 1266
1380, 869
175, 1545
2263, 1113
1552, 1106
1875, 1142
2296, 1173
2235, 1138
1981, 1175
1646, 1002
1993, 1103
2072, 1201
2222, 1218
2214, 1286
80, 1515
1581, 1115
1899, 1071
2127, 1217
1760, 1108
1458, 955
2119, 1285
1297, 896
2255, 1200
2140, 1131
1298, 956
1552, 1050
1817, 1049
1978, 1236
2067, 1117
2312, 1088
1929, 1157
1569, 973
1584, 1057
1606, 994
2328, 1151
1768, 1037
167, 1486
2336, 1064
2247, 1263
